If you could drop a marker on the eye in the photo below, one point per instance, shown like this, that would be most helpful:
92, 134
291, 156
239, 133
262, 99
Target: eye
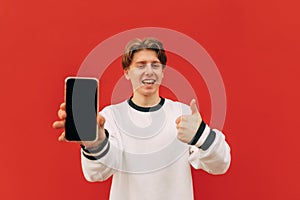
156, 65
141, 66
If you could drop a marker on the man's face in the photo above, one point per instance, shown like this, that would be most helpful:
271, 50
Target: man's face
145, 72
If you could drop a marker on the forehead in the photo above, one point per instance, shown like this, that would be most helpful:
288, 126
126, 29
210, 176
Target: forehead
145, 55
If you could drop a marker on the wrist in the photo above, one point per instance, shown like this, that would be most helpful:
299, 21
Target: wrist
198, 133
96, 145
99, 151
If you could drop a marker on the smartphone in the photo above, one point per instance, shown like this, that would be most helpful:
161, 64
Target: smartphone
81, 96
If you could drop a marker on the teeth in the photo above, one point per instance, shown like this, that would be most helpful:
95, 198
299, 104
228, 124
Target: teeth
148, 81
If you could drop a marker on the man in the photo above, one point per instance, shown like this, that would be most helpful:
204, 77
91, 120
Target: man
147, 143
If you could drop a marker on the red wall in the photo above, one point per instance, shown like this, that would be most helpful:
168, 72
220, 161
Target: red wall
255, 45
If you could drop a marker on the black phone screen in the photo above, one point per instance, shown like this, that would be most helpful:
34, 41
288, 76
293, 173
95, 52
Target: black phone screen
81, 109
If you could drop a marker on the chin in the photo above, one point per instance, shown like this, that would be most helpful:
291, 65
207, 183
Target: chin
148, 92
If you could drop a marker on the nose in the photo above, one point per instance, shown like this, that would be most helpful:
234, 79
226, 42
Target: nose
148, 69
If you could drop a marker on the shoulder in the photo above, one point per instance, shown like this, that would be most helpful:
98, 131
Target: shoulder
176, 106
108, 110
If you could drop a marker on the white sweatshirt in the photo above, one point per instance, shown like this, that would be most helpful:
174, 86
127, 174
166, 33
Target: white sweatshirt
145, 157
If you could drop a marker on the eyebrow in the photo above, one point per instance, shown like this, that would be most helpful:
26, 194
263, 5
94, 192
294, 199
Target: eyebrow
144, 62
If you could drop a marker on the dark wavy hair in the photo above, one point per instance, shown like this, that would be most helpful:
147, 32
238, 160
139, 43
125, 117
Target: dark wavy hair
147, 43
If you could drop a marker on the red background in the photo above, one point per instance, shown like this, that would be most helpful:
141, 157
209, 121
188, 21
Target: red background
255, 45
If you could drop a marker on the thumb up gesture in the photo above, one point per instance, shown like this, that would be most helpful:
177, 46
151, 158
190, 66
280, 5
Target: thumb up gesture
187, 125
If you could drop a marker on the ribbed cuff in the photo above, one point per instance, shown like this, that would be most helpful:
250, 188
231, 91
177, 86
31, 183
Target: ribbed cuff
209, 140
97, 152
203, 137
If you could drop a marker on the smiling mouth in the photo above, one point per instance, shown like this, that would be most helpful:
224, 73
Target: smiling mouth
148, 81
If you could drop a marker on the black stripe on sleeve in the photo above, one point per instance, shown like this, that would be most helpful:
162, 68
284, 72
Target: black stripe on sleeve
198, 134
209, 140
99, 156
99, 148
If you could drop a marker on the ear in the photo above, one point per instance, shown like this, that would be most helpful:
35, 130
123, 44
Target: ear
126, 74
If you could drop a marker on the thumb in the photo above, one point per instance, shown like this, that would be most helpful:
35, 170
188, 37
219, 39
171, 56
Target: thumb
193, 107
178, 120
101, 121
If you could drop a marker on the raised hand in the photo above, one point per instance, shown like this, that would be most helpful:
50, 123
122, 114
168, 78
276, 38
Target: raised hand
187, 125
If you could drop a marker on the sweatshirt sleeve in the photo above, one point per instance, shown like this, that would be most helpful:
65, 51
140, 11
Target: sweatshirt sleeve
101, 163
210, 152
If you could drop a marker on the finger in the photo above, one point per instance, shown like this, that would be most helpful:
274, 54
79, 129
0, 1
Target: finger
178, 120
193, 107
58, 124
63, 106
62, 114
101, 120
62, 137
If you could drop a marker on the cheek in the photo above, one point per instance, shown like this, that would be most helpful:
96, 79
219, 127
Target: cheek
134, 76
160, 74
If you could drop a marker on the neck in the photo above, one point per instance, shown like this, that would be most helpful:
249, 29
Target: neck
145, 101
